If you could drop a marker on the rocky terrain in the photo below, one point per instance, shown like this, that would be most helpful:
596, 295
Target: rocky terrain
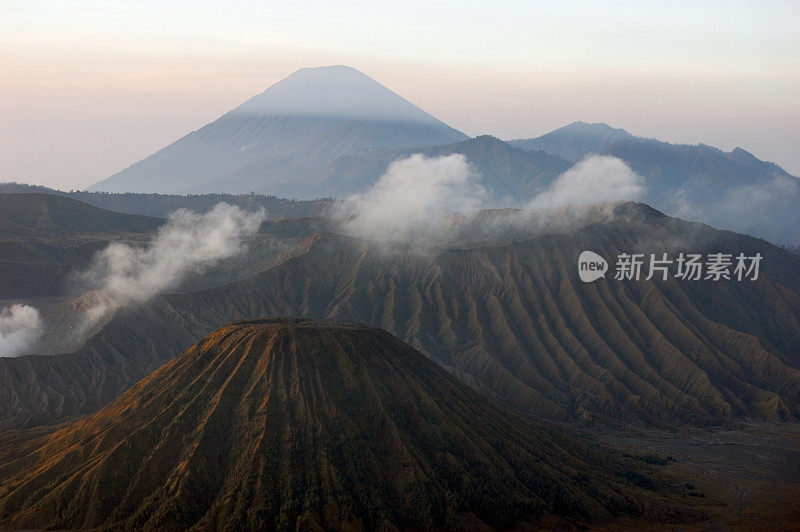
512, 320
300, 424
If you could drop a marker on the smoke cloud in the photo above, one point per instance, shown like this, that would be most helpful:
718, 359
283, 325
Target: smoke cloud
596, 179
20, 327
410, 201
187, 243
122, 274
411, 196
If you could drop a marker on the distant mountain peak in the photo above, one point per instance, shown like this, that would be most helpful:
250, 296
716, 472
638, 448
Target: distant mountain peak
576, 140
337, 68
744, 155
487, 139
333, 91
280, 141
597, 128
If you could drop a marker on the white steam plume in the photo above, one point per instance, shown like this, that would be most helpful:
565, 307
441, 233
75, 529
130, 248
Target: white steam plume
122, 274
413, 195
20, 326
410, 200
596, 179
187, 243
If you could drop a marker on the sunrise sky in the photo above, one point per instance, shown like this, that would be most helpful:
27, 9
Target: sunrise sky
87, 88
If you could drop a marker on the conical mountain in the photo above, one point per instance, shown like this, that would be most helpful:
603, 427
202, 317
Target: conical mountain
280, 141
335, 91
299, 424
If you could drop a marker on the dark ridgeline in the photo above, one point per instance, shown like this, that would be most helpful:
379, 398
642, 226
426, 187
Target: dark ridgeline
44, 237
31, 216
161, 205
511, 176
503, 310
296, 424
575, 141
730, 190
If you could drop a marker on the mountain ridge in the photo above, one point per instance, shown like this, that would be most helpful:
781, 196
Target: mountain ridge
733, 190
506, 171
161, 205
508, 316
574, 141
35, 215
44, 237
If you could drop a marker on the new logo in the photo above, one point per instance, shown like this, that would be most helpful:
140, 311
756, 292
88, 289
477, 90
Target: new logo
591, 266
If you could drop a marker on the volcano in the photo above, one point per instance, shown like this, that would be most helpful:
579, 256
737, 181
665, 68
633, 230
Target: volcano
280, 141
288, 423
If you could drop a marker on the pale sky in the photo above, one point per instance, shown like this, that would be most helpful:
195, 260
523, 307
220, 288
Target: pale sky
87, 88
